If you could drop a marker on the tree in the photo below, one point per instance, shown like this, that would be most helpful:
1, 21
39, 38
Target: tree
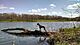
71, 14
78, 12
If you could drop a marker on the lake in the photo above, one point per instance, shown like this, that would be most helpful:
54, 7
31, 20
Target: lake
7, 39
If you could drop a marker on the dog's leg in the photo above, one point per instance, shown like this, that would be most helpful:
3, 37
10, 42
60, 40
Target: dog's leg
45, 29
40, 29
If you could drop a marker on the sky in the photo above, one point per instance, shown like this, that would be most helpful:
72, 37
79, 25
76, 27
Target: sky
42, 7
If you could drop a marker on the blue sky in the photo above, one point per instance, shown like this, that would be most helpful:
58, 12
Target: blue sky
43, 7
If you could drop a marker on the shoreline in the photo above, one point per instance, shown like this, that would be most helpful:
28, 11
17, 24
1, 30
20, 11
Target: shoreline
40, 21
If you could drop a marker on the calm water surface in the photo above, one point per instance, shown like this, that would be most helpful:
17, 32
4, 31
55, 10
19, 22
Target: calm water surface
7, 39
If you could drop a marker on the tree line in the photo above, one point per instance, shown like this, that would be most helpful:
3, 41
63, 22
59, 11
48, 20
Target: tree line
33, 17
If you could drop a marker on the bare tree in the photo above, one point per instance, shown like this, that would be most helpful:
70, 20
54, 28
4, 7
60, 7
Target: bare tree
71, 14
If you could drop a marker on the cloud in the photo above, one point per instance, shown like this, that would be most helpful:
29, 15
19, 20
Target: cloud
33, 10
54, 13
43, 9
12, 8
74, 6
37, 10
69, 15
52, 5
5, 7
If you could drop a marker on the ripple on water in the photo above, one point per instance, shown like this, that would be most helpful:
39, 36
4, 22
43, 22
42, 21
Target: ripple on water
5, 39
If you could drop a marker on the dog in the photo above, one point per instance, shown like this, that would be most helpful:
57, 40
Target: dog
40, 26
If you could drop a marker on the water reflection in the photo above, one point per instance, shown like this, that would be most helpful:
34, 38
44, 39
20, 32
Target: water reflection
30, 40
42, 41
9, 39
39, 40
46, 41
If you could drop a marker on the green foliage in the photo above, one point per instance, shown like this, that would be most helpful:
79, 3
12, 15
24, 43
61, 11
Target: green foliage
5, 17
67, 36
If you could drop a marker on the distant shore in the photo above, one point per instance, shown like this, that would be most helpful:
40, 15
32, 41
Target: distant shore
34, 21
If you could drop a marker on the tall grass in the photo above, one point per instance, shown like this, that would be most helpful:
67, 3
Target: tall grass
67, 36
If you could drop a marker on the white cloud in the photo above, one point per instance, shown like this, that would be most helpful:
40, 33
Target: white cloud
62, 14
29, 10
44, 9
3, 7
52, 5
69, 15
54, 13
75, 15
12, 8
34, 10
37, 10
74, 6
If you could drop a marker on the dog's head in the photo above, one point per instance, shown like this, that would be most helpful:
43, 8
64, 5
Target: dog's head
38, 24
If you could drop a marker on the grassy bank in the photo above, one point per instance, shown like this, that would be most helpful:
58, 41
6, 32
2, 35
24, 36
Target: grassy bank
67, 36
33, 20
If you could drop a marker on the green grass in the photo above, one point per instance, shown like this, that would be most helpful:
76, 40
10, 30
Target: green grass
67, 36
29, 21
46, 20
71, 29
41, 20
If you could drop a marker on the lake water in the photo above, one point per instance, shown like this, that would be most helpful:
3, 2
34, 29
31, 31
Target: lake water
7, 39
